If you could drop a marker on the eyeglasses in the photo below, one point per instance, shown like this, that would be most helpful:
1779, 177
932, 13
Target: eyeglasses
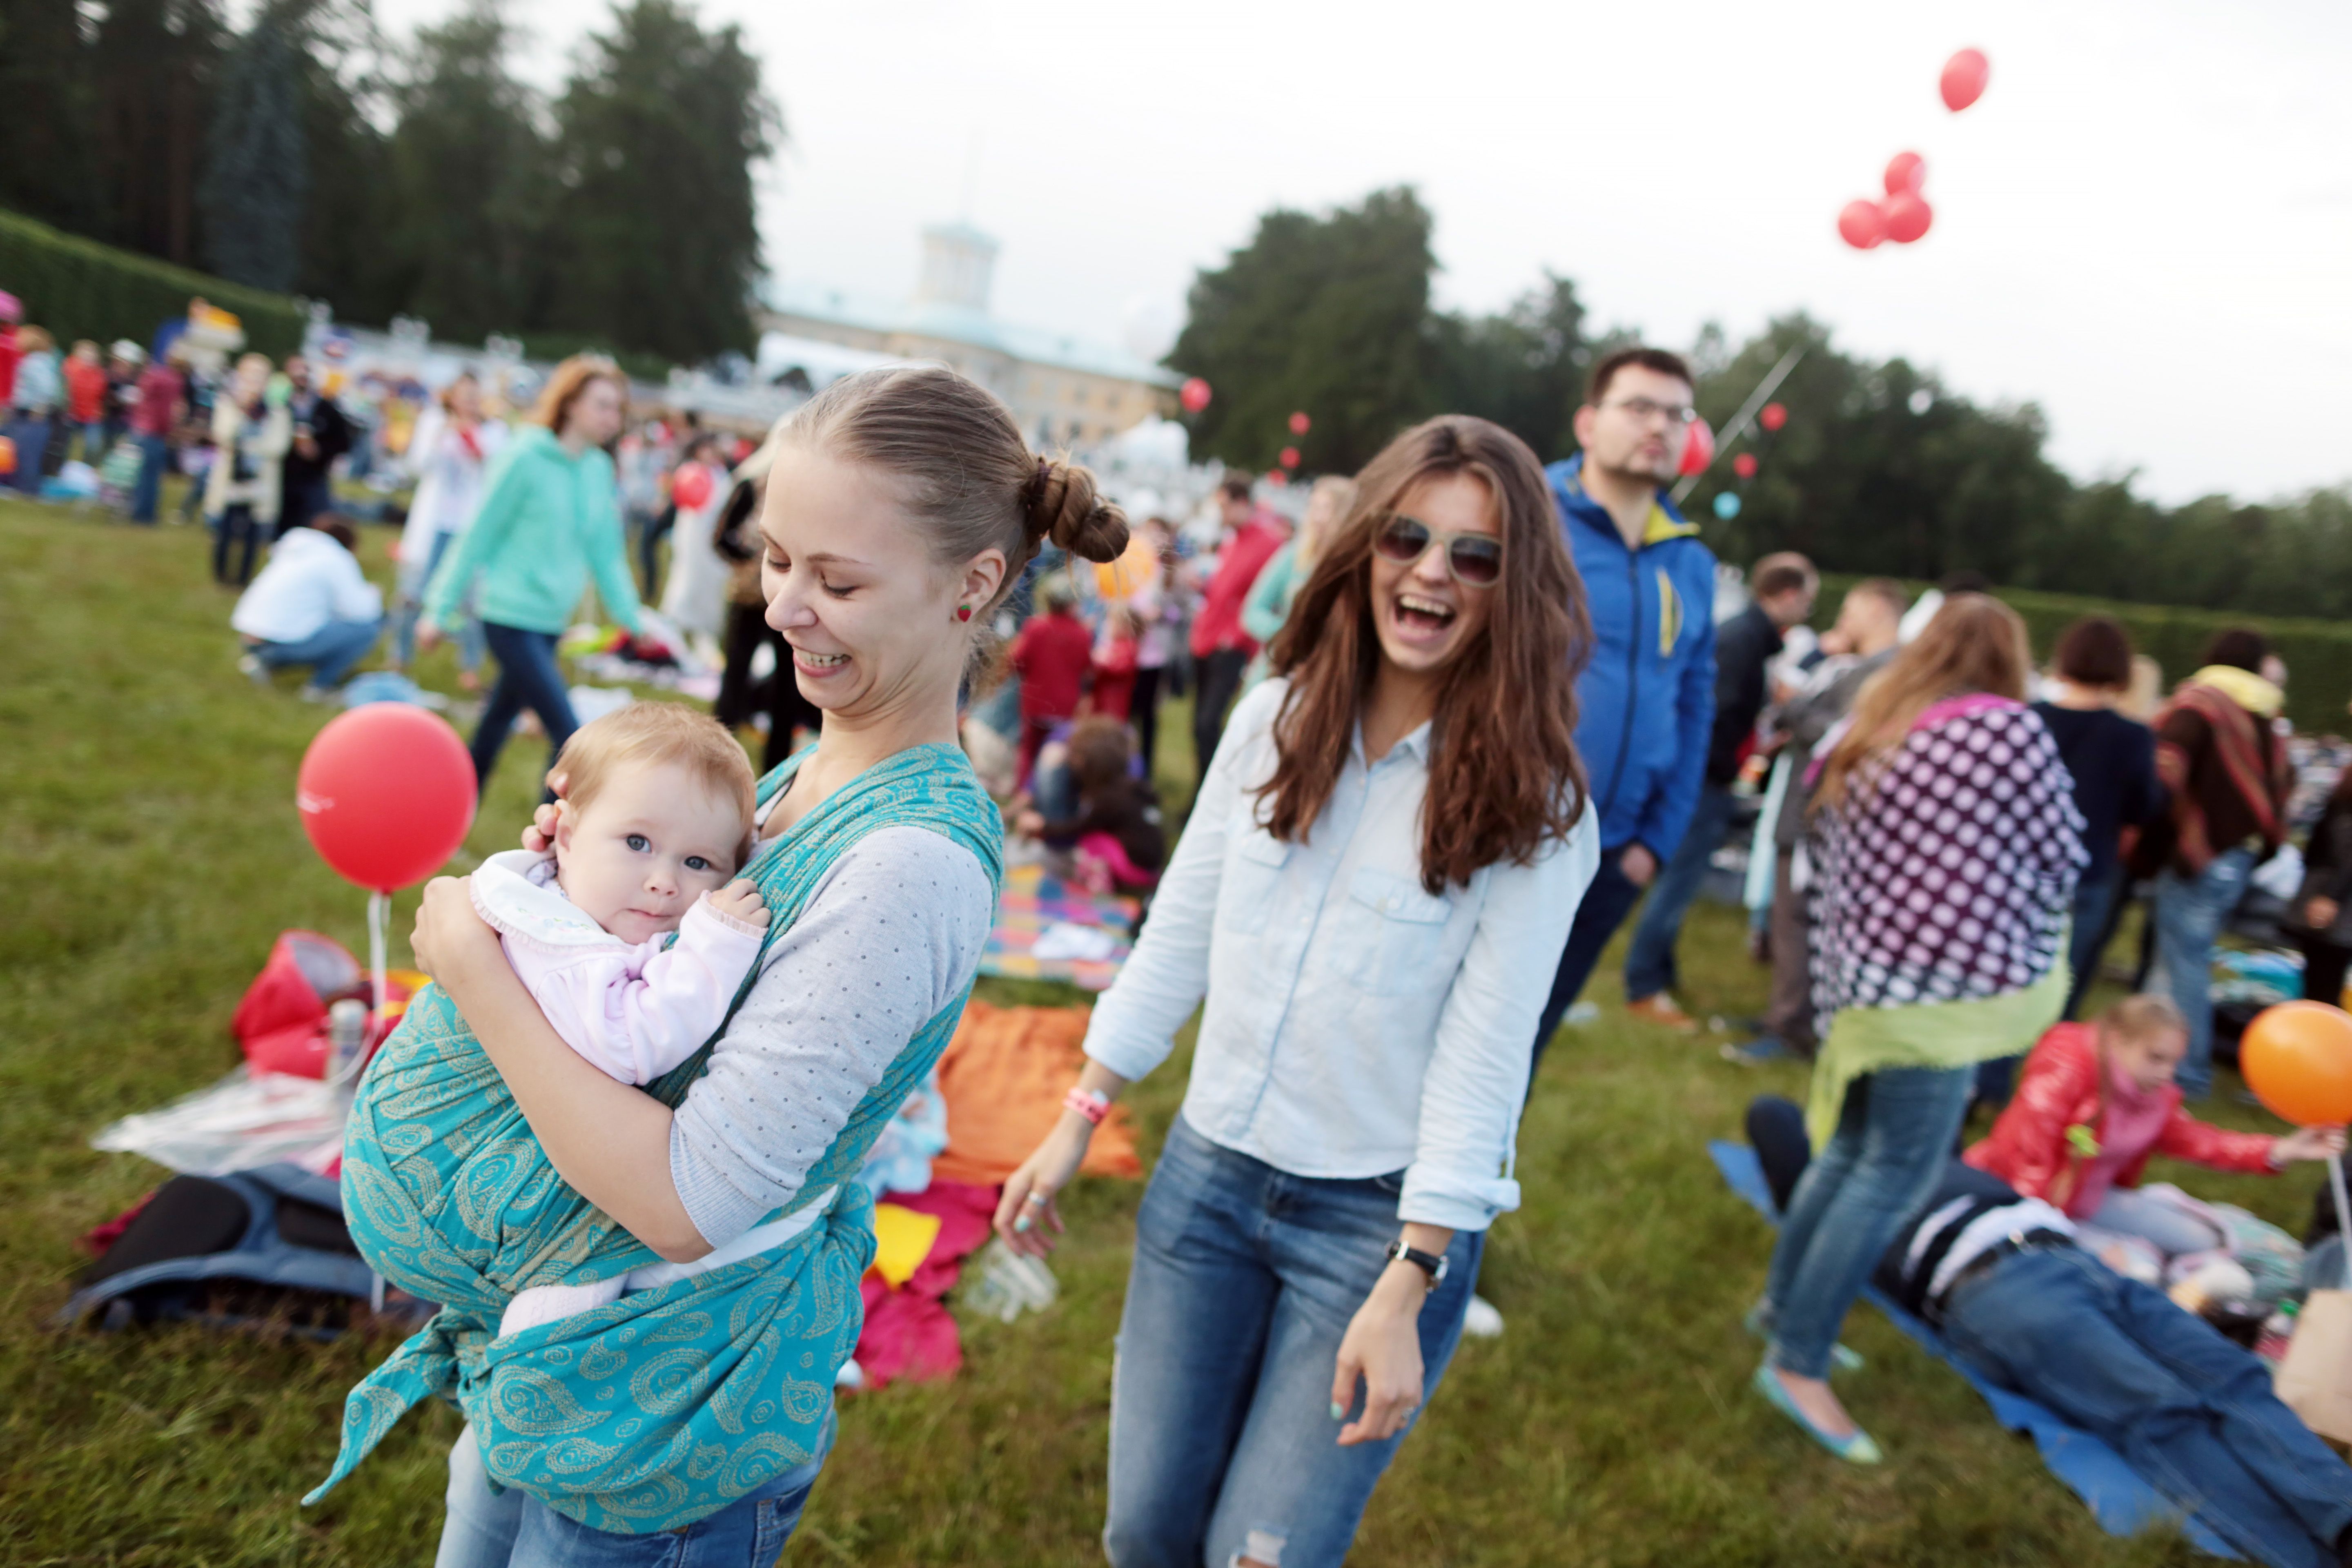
1643, 410
1474, 559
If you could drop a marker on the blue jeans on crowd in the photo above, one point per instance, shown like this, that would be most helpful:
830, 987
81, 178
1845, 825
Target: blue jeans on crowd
331, 651
1607, 902
236, 527
2190, 912
1243, 1282
1894, 1134
92, 436
410, 606
31, 439
303, 499
512, 1529
154, 456
530, 678
2191, 1412
1650, 961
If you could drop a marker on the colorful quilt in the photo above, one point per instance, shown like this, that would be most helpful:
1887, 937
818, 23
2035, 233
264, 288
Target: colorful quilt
1035, 903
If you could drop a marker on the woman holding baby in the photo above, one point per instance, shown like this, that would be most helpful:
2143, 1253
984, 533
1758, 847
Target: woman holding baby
709, 1221
1390, 843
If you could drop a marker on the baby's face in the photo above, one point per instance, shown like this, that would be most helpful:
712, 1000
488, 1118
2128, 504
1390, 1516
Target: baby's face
653, 841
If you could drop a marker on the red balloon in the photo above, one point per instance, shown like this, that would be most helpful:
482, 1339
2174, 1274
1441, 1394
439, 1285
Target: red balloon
1906, 171
690, 486
1290, 456
1277, 478
1744, 465
1299, 423
1861, 225
386, 794
1194, 395
1698, 450
1907, 217
1772, 416
1965, 75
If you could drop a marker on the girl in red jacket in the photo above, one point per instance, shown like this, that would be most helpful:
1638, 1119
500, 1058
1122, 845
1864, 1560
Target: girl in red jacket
2097, 1100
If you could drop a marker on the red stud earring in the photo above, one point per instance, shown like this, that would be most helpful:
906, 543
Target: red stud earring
963, 612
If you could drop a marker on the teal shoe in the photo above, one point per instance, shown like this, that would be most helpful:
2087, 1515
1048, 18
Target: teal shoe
1858, 1449
1842, 1358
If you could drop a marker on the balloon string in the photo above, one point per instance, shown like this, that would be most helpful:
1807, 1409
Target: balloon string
379, 920
2343, 1213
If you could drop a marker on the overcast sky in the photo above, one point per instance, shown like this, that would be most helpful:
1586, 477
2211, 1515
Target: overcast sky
2146, 225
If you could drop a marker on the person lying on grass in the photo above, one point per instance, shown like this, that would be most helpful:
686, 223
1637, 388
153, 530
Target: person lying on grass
627, 928
2019, 1302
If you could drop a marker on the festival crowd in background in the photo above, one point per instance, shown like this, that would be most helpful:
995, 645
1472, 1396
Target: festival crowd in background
1936, 841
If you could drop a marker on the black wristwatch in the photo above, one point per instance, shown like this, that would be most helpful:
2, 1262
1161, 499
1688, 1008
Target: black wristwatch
1430, 1263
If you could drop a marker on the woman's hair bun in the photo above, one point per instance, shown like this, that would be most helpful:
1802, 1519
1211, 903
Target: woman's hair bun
1064, 506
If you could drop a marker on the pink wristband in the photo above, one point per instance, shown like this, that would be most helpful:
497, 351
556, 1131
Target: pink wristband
1087, 1104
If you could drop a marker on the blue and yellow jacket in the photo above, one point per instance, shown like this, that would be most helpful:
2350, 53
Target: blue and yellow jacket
1646, 704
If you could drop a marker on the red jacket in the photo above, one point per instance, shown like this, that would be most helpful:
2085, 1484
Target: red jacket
1219, 624
2029, 1149
85, 391
1052, 655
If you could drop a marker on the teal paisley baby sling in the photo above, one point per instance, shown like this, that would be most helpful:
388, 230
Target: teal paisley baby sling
665, 1406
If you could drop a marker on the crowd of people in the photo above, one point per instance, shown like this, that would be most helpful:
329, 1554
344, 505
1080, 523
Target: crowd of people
1452, 727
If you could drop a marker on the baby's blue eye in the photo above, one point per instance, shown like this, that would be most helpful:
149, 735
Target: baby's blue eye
639, 842
697, 863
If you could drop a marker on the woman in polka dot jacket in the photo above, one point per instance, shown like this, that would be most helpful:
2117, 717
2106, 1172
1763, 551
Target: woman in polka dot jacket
1944, 851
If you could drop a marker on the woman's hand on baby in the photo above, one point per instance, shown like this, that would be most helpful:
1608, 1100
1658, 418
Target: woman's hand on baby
740, 899
449, 930
540, 836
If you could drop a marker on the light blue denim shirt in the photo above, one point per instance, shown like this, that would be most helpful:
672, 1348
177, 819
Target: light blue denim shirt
1356, 1024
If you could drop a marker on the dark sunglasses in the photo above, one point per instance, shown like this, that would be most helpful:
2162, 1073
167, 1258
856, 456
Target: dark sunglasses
1474, 559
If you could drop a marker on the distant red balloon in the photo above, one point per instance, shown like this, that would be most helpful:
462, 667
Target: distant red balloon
1699, 450
690, 486
1290, 456
1277, 478
1907, 217
386, 792
1861, 225
1906, 171
1301, 423
1965, 75
1744, 465
1194, 395
1772, 416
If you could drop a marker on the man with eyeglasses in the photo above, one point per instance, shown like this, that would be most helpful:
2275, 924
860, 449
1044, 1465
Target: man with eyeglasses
1645, 702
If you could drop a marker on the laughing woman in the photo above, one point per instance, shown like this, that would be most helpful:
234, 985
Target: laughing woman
1382, 863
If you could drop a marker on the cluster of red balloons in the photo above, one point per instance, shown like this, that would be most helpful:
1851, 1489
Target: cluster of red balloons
1903, 215
386, 794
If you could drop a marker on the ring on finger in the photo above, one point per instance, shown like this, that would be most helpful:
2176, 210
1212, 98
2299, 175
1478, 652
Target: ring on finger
1040, 1199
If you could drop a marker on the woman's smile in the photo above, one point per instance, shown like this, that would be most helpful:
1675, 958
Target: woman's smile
1420, 619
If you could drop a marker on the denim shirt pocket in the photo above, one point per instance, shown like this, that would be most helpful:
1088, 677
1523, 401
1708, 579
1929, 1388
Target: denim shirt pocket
1389, 932
1252, 875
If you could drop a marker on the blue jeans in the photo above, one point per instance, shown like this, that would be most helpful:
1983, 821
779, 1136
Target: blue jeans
530, 678
1893, 1138
1243, 1282
236, 528
410, 606
92, 436
2094, 903
31, 439
2191, 1412
1650, 961
1607, 902
331, 651
2190, 912
514, 1529
154, 456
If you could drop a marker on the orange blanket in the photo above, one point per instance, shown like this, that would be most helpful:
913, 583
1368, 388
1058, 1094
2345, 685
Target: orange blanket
1002, 1077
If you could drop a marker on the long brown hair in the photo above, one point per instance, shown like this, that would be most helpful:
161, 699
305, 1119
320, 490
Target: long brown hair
1974, 643
567, 381
1504, 775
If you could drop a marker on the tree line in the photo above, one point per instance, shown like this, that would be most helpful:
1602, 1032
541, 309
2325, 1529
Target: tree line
1879, 467
311, 154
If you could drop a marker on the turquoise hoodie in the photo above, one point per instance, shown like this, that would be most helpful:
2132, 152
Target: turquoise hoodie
548, 522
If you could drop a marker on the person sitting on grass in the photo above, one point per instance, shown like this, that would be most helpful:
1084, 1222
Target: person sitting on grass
310, 606
2007, 1281
1115, 835
2095, 1101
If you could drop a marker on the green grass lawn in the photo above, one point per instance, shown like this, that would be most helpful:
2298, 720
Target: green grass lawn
151, 851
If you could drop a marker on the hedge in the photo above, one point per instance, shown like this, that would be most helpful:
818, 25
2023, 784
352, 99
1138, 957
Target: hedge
2318, 654
79, 289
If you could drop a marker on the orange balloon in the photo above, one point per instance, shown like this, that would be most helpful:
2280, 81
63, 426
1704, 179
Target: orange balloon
2297, 1058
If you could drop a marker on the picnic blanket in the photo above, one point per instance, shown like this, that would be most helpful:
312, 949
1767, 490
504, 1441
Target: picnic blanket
2122, 1504
1034, 902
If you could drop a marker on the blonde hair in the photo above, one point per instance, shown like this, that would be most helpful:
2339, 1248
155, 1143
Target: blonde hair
1334, 494
34, 340
2141, 1017
567, 381
1975, 644
645, 733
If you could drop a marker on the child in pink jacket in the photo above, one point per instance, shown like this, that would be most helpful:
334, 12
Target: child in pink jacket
631, 931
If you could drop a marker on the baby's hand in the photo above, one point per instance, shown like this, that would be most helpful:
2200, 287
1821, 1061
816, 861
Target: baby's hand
740, 899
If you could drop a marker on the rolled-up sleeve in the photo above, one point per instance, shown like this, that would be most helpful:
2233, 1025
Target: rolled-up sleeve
1135, 1024
1464, 1156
